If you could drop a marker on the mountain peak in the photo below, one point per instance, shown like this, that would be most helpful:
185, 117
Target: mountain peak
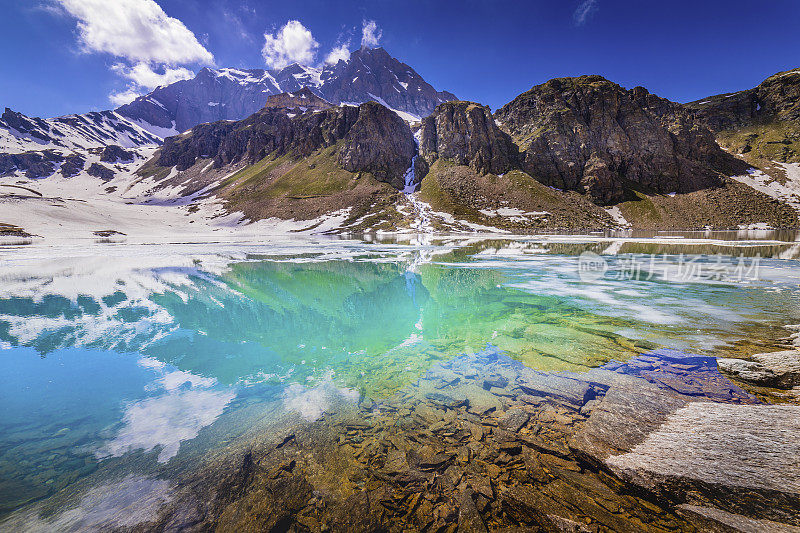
233, 94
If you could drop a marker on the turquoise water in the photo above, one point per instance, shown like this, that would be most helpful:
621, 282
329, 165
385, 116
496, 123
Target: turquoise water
137, 359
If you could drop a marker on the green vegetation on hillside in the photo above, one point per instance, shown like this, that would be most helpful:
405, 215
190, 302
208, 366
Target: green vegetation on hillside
759, 143
316, 175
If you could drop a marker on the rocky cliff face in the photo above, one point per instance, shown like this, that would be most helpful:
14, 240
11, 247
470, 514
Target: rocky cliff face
224, 94
380, 143
762, 124
375, 139
775, 99
465, 133
233, 94
591, 135
299, 101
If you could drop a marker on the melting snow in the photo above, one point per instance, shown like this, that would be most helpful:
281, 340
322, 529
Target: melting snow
788, 192
616, 214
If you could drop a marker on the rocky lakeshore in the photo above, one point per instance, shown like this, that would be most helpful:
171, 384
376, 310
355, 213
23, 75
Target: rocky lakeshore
662, 442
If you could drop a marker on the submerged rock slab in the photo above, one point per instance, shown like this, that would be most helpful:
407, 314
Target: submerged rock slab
571, 390
688, 438
750, 446
629, 412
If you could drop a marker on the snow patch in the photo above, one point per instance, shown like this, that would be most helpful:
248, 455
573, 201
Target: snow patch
616, 214
788, 192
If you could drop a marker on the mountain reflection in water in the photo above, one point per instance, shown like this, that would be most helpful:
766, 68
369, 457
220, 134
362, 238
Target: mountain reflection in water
141, 362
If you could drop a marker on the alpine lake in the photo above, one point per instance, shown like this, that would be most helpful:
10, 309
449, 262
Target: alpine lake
385, 384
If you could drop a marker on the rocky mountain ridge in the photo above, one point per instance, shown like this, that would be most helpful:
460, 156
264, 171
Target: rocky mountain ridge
38, 148
370, 74
591, 135
570, 154
374, 139
761, 124
572, 145
776, 99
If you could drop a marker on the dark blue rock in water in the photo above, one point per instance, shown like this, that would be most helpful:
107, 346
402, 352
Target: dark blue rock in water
684, 373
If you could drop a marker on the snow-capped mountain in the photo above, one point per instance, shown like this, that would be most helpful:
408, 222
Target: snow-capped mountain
19, 133
373, 74
97, 143
233, 94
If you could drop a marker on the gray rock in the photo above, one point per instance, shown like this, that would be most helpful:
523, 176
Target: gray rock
466, 134
542, 384
513, 420
380, 143
718, 521
591, 135
775, 369
742, 457
627, 414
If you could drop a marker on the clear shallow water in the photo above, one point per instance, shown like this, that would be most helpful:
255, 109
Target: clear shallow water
136, 360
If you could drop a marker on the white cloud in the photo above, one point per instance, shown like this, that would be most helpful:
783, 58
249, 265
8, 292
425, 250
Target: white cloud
143, 75
152, 44
339, 52
293, 43
187, 404
127, 96
370, 34
584, 11
137, 30
312, 403
144, 79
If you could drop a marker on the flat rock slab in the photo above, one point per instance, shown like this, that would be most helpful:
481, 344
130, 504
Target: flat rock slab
746, 457
718, 521
776, 369
574, 391
630, 410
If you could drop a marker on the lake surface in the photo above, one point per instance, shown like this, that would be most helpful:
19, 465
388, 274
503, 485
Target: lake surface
125, 366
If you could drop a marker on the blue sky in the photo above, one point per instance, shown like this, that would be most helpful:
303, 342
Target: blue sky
64, 56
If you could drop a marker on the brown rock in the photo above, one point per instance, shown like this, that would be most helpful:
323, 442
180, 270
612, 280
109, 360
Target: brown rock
591, 135
466, 134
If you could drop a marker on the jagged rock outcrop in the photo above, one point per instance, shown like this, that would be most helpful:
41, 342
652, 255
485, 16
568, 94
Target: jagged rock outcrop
72, 165
591, 135
371, 74
35, 127
34, 164
113, 153
375, 139
379, 142
301, 100
270, 130
466, 134
100, 171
